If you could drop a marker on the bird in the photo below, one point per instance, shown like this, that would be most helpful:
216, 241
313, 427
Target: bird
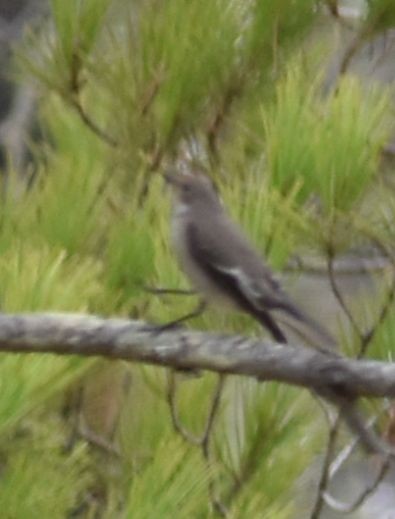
225, 268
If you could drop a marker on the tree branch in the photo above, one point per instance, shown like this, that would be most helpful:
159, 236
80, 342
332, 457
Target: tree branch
75, 334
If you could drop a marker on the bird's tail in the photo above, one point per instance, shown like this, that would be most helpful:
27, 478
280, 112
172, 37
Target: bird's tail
269, 324
306, 328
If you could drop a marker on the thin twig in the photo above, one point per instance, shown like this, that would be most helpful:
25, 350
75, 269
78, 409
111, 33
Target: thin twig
248, 464
356, 423
218, 505
349, 413
344, 266
91, 124
324, 478
98, 441
334, 10
81, 430
171, 400
154, 159
73, 409
325, 409
169, 291
231, 93
342, 457
330, 468
151, 92
367, 492
385, 309
384, 248
213, 413
339, 296
367, 337
75, 83
204, 441
347, 451
355, 45
354, 419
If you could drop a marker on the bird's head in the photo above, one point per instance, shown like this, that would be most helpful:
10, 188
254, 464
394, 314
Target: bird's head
193, 189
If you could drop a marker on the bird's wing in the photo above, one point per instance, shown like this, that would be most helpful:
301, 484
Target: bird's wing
230, 261
233, 265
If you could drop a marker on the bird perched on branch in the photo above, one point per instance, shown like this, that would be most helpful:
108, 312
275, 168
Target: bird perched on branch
225, 268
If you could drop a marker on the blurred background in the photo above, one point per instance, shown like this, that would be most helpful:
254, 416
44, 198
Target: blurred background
289, 107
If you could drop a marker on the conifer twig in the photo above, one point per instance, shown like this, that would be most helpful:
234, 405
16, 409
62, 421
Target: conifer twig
171, 400
350, 413
324, 477
90, 123
217, 503
204, 441
339, 296
335, 504
73, 97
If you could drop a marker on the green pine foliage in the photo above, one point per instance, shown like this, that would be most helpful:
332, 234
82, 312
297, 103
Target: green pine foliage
239, 82
329, 147
38, 478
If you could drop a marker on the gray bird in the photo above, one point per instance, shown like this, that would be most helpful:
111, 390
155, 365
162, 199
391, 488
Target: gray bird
225, 268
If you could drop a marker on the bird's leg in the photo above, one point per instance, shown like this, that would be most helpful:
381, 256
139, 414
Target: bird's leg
170, 291
191, 315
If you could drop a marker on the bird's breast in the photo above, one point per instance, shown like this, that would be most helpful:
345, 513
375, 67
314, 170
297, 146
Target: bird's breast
193, 270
